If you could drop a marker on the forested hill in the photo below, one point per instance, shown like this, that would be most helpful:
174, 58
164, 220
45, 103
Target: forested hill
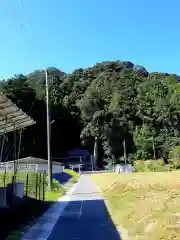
112, 101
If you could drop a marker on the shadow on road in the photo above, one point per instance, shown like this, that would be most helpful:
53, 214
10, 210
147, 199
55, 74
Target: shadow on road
84, 220
20, 213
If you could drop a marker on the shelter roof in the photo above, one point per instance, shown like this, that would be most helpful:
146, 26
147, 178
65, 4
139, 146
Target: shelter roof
11, 117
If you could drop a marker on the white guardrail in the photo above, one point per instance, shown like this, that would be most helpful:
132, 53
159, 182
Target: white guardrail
9, 167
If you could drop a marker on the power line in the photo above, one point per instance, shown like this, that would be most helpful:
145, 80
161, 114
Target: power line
13, 9
26, 15
24, 9
29, 40
47, 107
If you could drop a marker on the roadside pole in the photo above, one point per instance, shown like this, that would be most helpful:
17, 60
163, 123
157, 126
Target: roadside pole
48, 134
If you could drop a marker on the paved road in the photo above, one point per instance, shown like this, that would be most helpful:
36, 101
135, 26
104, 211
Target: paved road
85, 217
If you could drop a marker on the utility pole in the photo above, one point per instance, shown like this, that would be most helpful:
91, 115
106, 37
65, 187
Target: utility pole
125, 155
154, 149
95, 153
48, 134
92, 165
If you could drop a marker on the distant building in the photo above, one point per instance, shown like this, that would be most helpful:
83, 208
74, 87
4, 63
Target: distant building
76, 156
33, 164
79, 153
79, 156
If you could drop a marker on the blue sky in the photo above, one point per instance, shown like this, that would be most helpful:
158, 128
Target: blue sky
69, 34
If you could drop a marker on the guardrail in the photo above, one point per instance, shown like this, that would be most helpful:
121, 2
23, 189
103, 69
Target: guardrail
10, 167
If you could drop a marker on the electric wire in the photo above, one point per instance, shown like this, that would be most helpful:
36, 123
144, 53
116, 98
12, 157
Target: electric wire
29, 41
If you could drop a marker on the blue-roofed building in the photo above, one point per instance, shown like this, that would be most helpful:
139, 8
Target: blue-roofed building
79, 152
82, 156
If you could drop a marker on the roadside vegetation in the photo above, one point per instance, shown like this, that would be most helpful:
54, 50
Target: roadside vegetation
146, 204
25, 213
58, 189
37, 180
156, 165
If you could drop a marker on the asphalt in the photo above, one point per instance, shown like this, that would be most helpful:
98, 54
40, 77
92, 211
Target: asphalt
85, 216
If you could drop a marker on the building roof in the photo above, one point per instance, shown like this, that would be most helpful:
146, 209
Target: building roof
11, 117
79, 152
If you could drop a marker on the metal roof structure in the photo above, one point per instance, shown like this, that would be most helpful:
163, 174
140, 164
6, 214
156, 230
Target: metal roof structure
11, 117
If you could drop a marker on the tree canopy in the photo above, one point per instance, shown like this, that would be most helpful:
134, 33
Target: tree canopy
113, 102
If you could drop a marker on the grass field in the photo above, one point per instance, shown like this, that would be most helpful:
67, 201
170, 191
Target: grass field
146, 204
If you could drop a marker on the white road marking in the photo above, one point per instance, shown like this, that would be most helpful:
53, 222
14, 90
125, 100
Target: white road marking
80, 210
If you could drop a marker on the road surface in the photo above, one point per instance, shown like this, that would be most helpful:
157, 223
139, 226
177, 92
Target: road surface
85, 217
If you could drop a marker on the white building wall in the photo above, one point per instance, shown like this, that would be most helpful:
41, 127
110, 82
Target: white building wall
55, 168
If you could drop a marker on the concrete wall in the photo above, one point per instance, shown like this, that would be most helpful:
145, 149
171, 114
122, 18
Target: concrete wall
55, 168
123, 168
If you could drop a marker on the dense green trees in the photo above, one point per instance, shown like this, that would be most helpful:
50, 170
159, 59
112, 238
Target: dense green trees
110, 103
30, 97
121, 102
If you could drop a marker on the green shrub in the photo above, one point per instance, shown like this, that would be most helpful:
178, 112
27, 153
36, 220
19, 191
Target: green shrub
74, 175
175, 163
175, 153
161, 162
152, 166
139, 166
56, 185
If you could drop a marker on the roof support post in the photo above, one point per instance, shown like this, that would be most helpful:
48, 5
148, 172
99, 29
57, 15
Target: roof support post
20, 141
19, 149
3, 141
14, 155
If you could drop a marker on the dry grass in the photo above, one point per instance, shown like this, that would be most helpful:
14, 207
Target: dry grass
146, 204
